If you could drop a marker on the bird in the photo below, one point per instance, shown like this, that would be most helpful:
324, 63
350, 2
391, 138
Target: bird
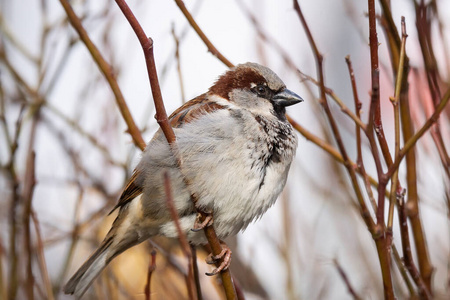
236, 148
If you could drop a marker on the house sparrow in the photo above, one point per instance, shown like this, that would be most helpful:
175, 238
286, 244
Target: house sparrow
236, 147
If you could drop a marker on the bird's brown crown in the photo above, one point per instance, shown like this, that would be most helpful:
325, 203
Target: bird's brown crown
245, 76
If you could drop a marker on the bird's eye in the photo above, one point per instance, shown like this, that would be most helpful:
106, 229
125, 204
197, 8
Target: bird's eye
262, 91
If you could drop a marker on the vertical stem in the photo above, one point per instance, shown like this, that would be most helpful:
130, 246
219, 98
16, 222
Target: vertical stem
181, 236
375, 124
151, 269
196, 272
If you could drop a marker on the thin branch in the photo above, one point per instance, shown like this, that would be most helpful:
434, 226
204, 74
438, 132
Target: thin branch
177, 57
151, 269
407, 253
404, 273
355, 118
181, 235
29, 184
198, 287
359, 159
375, 107
41, 258
344, 277
330, 150
396, 104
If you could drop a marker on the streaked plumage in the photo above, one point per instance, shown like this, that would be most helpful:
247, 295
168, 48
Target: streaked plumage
236, 146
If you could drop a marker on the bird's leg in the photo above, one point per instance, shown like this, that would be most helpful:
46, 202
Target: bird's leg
198, 225
224, 257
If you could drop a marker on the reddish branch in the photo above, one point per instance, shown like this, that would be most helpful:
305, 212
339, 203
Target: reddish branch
375, 107
344, 277
423, 24
359, 159
407, 253
181, 236
151, 269
198, 287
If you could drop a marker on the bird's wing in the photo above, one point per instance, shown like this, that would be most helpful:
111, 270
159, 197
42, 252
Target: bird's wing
131, 191
186, 113
192, 110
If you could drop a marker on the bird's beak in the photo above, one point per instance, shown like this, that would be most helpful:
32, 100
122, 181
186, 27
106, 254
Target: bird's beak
286, 98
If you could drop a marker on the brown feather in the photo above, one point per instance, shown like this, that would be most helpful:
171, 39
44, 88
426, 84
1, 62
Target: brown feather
131, 191
238, 78
193, 109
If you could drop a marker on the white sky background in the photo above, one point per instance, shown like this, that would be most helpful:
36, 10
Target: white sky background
324, 222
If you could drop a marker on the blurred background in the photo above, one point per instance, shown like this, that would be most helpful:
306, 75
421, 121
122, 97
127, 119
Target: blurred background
313, 244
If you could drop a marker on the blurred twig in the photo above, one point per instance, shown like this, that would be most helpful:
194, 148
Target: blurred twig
41, 258
151, 269
29, 184
198, 287
181, 235
107, 72
344, 277
177, 57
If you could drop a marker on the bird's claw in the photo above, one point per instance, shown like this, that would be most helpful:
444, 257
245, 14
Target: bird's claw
208, 221
224, 256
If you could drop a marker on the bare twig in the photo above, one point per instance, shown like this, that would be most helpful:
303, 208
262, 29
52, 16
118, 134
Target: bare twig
395, 185
375, 107
198, 287
404, 273
41, 258
344, 277
407, 253
359, 159
181, 235
177, 57
29, 184
151, 269
329, 149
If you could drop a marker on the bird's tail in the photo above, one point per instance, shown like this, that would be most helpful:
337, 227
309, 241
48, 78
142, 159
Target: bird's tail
82, 279
118, 239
